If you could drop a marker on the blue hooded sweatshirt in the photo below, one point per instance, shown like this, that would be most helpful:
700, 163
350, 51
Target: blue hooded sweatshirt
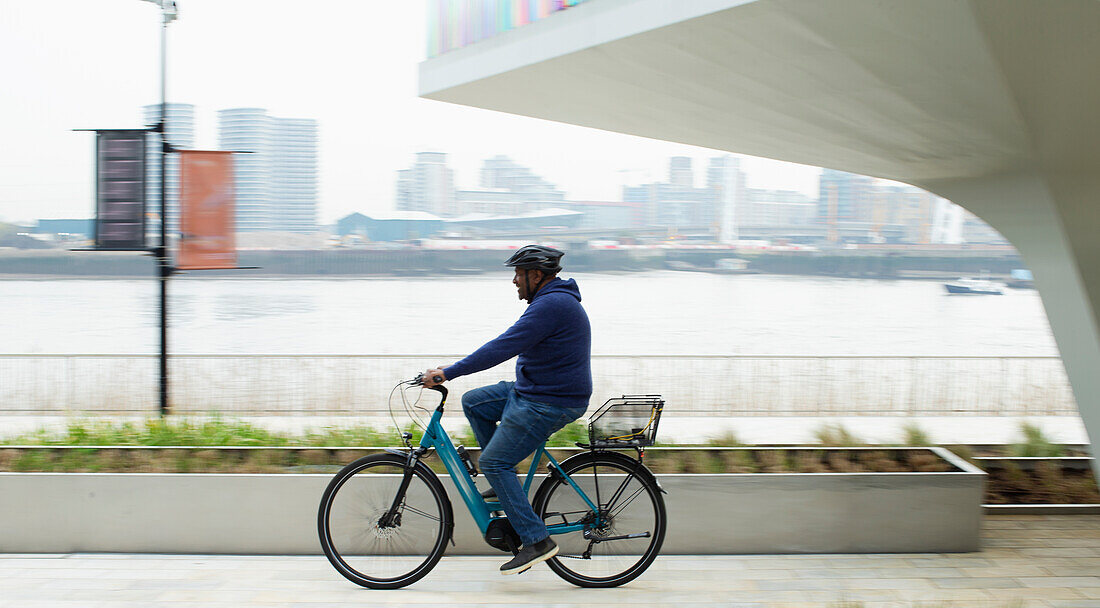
554, 342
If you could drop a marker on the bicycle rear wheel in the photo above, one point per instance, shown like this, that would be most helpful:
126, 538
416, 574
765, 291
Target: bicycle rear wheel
361, 544
632, 516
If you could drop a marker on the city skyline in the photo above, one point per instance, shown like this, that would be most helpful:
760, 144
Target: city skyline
358, 80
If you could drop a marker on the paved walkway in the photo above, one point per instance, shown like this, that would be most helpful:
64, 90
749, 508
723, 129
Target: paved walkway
1041, 561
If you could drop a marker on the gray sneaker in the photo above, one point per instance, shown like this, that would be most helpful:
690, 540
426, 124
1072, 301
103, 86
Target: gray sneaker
529, 556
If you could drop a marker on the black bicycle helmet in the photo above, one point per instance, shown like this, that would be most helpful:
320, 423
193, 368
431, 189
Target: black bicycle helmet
536, 257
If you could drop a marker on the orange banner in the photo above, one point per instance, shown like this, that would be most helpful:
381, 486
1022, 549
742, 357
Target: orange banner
207, 209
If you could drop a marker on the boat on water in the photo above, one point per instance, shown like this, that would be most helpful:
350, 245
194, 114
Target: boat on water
731, 266
975, 286
1021, 279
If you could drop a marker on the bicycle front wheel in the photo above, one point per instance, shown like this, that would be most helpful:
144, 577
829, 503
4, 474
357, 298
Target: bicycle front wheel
625, 539
370, 549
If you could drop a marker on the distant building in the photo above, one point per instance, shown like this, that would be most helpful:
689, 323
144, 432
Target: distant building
680, 173
912, 209
392, 226
727, 182
428, 186
508, 188
66, 227
488, 202
775, 209
676, 204
180, 131
502, 173
607, 215
542, 220
947, 222
976, 231
276, 183
844, 197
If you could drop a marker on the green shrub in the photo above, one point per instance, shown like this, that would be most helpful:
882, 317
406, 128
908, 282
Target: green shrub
836, 435
915, 436
1035, 443
569, 435
727, 439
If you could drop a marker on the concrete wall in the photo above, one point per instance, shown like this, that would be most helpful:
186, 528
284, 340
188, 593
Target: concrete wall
277, 514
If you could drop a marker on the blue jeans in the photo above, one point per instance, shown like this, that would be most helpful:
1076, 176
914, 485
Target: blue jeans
524, 426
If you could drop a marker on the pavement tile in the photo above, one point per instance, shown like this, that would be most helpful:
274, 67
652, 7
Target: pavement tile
1071, 582
949, 562
962, 597
1072, 571
918, 572
782, 597
1052, 562
976, 583
830, 573
888, 583
1014, 543
1069, 542
801, 584
1059, 552
1002, 571
739, 574
1038, 593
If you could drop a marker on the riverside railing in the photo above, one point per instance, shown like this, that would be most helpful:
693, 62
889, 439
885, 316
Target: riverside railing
715, 385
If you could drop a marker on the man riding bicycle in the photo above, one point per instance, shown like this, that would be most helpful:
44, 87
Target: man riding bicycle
553, 341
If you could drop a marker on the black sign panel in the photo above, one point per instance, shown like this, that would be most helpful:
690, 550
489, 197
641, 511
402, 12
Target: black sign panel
120, 189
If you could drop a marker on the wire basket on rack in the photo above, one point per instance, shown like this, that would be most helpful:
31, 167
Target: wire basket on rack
626, 422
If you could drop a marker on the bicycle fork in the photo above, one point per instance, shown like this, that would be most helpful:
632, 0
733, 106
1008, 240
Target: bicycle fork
392, 517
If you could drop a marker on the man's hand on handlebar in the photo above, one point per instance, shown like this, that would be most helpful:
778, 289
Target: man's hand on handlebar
433, 377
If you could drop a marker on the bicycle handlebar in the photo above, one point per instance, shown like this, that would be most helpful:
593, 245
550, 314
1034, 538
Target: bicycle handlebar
419, 379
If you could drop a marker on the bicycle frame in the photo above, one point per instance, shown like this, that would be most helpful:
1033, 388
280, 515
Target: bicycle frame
481, 510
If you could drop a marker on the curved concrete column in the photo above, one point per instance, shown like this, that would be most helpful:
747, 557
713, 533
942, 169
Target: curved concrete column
1053, 223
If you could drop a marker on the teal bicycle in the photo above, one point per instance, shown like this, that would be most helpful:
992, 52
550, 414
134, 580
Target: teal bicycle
385, 519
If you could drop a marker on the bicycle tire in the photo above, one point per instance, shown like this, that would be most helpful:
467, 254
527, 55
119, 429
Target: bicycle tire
384, 557
621, 561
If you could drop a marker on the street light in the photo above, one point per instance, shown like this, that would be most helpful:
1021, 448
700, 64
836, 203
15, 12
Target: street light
171, 13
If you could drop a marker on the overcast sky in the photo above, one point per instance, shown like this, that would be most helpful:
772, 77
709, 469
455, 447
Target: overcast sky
349, 64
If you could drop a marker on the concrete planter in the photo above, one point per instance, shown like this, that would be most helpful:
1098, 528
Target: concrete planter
276, 514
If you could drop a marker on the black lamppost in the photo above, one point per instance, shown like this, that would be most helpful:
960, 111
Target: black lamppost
164, 265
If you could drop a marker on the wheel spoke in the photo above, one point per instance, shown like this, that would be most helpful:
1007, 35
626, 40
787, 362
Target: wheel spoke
420, 512
613, 511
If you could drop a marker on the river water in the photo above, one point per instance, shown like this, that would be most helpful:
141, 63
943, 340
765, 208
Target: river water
659, 312
711, 344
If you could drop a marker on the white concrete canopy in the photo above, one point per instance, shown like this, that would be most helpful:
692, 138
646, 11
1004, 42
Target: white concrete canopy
994, 104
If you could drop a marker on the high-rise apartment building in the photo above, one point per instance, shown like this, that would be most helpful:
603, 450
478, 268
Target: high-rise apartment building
180, 131
276, 182
529, 189
676, 203
508, 188
680, 173
777, 209
427, 186
844, 197
726, 180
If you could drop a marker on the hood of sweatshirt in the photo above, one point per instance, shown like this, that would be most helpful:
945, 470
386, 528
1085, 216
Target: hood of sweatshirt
559, 286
